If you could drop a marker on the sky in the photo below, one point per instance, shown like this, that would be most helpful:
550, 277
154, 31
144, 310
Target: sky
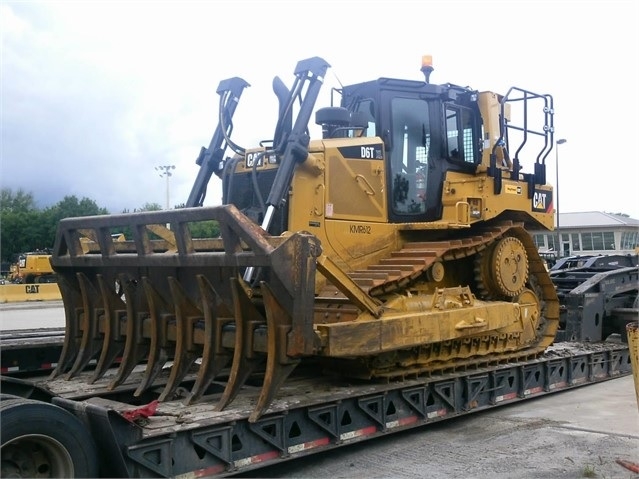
95, 95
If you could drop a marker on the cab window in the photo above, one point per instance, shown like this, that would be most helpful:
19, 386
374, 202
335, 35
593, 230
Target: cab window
367, 109
459, 133
411, 141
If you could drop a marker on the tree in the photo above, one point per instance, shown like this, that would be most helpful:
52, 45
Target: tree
201, 229
69, 207
26, 228
205, 229
15, 202
149, 207
20, 229
22, 232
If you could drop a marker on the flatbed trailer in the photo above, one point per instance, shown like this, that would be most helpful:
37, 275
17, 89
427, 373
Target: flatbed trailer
139, 437
27, 351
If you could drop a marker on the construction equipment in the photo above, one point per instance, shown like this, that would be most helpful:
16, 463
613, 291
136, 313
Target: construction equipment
390, 251
594, 263
32, 267
394, 245
598, 295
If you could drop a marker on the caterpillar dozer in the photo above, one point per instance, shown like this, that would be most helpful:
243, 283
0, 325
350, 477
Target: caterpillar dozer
393, 246
32, 267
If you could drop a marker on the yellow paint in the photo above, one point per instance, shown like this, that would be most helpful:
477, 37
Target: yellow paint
633, 342
15, 293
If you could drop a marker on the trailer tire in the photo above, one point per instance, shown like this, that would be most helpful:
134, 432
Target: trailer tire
6, 397
43, 440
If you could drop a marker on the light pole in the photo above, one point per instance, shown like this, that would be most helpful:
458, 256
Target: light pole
165, 170
559, 247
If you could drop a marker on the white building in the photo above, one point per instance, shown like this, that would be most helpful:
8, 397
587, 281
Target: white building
591, 232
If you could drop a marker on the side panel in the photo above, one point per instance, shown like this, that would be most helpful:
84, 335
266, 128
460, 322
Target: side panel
515, 201
340, 196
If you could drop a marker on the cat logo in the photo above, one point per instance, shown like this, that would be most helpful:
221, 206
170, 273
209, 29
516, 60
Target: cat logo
542, 201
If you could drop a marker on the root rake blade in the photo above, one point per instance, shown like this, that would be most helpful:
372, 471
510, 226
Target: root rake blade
90, 343
113, 343
245, 359
214, 357
187, 317
72, 334
163, 293
278, 365
136, 347
159, 349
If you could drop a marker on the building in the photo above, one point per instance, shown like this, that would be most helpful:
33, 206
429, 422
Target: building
591, 232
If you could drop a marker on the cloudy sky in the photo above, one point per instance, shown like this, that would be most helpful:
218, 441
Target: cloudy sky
95, 95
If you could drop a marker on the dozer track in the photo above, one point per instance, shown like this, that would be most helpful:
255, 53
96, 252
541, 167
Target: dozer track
418, 268
164, 297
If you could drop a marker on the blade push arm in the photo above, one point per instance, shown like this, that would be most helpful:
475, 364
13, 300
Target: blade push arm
211, 159
312, 71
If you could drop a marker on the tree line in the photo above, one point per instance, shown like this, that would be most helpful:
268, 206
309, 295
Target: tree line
24, 227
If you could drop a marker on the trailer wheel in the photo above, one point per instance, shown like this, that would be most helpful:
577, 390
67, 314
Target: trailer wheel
43, 440
6, 397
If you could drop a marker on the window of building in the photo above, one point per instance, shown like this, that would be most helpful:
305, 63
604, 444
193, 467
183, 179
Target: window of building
574, 240
609, 240
540, 241
586, 241
629, 239
597, 240
552, 243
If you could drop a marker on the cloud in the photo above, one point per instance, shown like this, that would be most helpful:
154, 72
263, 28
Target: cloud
95, 95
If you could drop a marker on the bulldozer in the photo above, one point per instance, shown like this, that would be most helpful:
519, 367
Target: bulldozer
32, 267
394, 245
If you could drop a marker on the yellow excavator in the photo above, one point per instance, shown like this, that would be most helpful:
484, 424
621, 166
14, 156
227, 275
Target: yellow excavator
393, 246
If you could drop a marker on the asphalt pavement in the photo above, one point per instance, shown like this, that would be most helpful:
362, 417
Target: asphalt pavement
589, 431
31, 315
578, 433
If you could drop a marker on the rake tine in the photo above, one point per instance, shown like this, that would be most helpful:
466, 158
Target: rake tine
113, 343
72, 336
135, 347
245, 361
187, 315
278, 365
91, 341
158, 353
214, 357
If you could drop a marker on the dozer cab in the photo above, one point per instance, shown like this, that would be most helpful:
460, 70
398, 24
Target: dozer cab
394, 246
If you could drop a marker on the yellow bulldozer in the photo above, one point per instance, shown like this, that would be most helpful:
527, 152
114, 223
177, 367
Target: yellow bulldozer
394, 245
32, 267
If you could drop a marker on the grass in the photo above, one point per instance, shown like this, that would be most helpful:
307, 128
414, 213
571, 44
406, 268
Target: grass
589, 471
